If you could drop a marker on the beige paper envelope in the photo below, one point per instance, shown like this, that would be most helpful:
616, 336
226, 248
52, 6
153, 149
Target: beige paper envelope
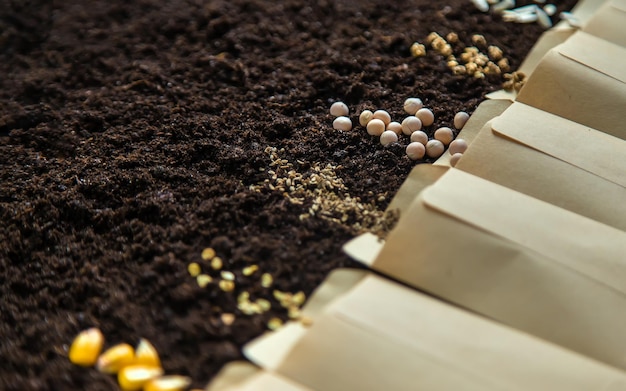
584, 10
243, 376
547, 41
513, 258
383, 336
609, 22
524, 167
583, 80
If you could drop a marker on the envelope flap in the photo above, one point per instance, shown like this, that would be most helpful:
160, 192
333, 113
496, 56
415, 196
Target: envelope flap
573, 241
576, 144
596, 53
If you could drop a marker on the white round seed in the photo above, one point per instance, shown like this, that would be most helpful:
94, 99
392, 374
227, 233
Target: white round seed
375, 127
342, 123
365, 117
458, 146
395, 126
415, 151
550, 9
426, 116
434, 148
420, 137
411, 105
411, 124
388, 137
445, 135
339, 109
455, 159
460, 119
383, 116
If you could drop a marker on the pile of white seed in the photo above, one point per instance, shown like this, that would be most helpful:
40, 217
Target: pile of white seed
380, 124
526, 14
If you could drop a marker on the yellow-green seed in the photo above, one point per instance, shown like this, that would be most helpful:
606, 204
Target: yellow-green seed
250, 270
226, 285
194, 269
274, 323
266, 280
264, 304
217, 263
208, 254
203, 280
228, 276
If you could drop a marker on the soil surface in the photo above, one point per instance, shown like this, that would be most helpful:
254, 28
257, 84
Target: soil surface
133, 134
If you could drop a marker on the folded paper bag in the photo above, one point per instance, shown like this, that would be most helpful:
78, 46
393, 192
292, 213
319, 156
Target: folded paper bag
608, 22
583, 80
513, 258
381, 335
552, 171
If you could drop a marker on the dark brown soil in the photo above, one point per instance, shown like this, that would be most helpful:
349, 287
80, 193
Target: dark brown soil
130, 132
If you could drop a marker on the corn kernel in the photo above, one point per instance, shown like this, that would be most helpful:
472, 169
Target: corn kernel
203, 280
194, 269
217, 263
274, 323
146, 354
228, 276
134, 377
227, 286
266, 280
208, 254
116, 358
250, 270
168, 383
86, 347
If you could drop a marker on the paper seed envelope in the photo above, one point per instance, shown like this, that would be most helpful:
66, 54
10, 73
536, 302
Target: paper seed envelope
554, 160
383, 336
523, 262
608, 22
583, 80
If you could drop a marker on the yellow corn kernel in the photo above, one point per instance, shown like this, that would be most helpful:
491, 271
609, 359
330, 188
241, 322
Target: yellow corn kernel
250, 270
168, 383
116, 358
194, 269
146, 354
134, 377
86, 347
217, 263
208, 254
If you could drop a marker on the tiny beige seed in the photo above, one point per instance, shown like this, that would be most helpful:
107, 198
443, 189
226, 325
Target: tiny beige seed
415, 151
426, 116
250, 270
417, 49
411, 124
375, 127
274, 324
419, 137
460, 119
444, 134
388, 137
365, 117
226, 285
342, 123
227, 318
217, 263
394, 126
339, 109
266, 280
411, 105
455, 159
228, 276
457, 146
383, 116
434, 148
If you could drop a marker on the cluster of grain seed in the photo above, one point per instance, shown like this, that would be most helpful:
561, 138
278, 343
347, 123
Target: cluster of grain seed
244, 303
471, 61
136, 369
324, 192
514, 81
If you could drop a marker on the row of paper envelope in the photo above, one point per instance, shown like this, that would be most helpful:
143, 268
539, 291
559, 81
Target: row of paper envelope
507, 272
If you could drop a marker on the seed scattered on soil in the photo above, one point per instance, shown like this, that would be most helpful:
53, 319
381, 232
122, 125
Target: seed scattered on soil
383, 116
274, 324
388, 137
460, 119
194, 269
228, 276
203, 280
444, 134
217, 263
250, 270
411, 124
208, 254
266, 280
339, 109
394, 126
411, 105
415, 150
434, 148
115, 358
146, 354
227, 318
420, 137
426, 116
227, 285
168, 383
375, 127
365, 117
86, 347
134, 377
457, 146
342, 123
